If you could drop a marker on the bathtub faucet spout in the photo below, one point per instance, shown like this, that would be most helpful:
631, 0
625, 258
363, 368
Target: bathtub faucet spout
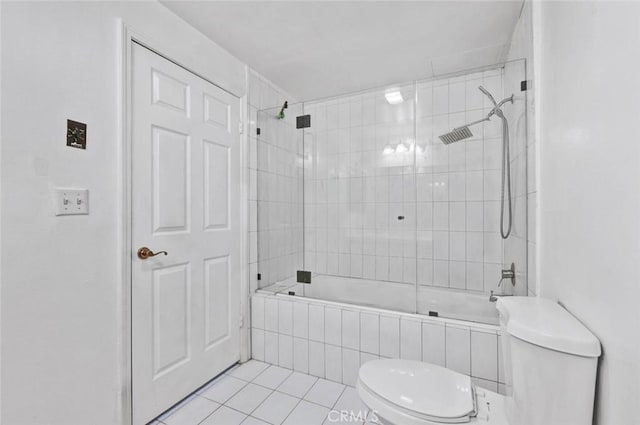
493, 298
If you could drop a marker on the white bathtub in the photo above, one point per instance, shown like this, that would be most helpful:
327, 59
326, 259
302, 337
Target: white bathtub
447, 303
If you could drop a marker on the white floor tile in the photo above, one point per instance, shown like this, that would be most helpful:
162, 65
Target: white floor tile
254, 421
276, 408
225, 416
192, 413
297, 384
177, 407
350, 403
325, 393
248, 398
308, 414
272, 377
249, 370
223, 388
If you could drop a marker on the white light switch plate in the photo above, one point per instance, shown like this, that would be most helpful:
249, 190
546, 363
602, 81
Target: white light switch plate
72, 201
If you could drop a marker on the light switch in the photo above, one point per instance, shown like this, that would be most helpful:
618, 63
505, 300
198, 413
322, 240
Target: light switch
72, 201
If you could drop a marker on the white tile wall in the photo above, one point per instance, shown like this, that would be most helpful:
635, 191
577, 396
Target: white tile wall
459, 358
339, 338
359, 179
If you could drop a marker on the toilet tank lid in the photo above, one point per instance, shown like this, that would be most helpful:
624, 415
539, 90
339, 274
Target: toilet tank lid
545, 323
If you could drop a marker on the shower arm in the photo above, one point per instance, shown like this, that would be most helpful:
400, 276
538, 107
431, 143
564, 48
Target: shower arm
491, 113
475, 122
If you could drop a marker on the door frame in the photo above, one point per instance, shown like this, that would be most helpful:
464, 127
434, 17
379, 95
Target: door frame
128, 36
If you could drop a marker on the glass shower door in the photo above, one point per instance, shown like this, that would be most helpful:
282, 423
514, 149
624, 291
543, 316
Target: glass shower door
279, 198
359, 198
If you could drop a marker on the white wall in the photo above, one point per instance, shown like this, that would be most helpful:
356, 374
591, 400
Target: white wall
62, 328
589, 247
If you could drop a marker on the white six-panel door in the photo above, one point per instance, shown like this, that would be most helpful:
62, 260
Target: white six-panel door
185, 200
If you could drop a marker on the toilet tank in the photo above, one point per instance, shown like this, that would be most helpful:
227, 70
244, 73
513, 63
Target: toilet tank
550, 361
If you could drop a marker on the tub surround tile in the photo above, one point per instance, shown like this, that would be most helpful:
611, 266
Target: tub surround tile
484, 356
500, 361
285, 317
285, 351
370, 333
458, 341
433, 343
356, 335
366, 357
300, 320
487, 385
316, 359
257, 344
316, 322
333, 363
271, 314
301, 355
389, 337
351, 329
271, 347
333, 326
410, 339
257, 312
350, 366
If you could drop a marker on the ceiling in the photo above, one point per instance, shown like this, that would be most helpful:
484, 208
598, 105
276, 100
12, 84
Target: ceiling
315, 49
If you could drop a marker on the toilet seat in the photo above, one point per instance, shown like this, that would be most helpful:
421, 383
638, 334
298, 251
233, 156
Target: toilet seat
417, 392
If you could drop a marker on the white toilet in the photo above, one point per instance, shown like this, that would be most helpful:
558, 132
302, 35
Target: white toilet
550, 362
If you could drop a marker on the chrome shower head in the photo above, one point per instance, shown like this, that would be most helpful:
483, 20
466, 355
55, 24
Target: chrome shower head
486, 92
457, 134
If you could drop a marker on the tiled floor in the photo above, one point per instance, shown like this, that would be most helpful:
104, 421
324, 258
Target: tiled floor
257, 393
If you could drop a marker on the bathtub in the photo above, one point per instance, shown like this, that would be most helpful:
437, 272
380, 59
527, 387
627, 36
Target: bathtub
432, 301
330, 327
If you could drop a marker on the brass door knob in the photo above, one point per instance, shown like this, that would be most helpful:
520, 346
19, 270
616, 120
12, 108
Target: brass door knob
144, 253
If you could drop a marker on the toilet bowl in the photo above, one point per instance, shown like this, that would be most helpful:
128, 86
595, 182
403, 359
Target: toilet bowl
550, 361
405, 392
